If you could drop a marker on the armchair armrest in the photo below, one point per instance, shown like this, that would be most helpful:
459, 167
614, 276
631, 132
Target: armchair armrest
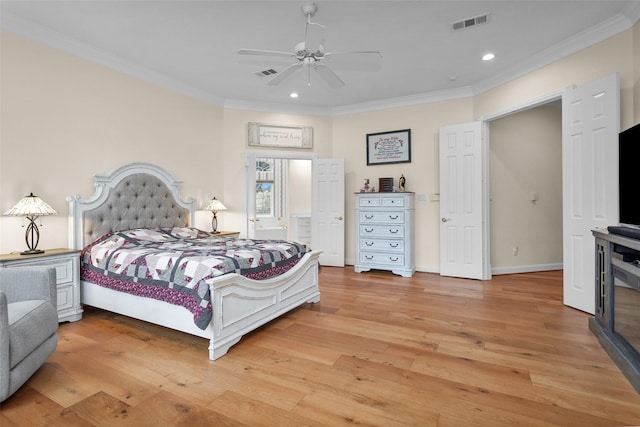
28, 283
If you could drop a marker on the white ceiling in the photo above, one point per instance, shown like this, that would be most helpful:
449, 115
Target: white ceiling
191, 46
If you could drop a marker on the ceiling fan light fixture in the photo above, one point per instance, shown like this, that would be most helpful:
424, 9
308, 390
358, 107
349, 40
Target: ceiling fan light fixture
310, 55
293, 95
488, 56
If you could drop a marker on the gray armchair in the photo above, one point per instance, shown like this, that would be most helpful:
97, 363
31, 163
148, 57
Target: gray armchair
28, 324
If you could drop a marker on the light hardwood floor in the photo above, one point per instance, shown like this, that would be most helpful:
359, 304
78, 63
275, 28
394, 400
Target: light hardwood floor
378, 350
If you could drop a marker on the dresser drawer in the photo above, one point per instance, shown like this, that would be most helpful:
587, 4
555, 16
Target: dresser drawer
381, 231
373, 201
386, 245
393, 201
381, 217
381, 258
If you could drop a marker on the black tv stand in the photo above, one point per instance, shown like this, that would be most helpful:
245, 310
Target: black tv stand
621, 230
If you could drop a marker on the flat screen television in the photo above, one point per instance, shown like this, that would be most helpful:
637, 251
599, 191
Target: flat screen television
629, 177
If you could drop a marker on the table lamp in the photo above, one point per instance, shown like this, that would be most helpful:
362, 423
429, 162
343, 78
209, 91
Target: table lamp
214, 206
31, 207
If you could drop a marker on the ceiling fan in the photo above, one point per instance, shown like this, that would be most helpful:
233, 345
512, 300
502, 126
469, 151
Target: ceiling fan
311, 55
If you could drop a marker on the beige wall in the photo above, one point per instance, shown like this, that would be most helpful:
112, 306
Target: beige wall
64, 119
349, 142
235, 137
525, 158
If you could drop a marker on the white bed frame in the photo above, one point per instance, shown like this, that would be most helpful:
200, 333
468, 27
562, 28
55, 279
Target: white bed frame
240, 305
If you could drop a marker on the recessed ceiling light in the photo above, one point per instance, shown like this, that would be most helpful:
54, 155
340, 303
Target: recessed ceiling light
488, 56
293, 95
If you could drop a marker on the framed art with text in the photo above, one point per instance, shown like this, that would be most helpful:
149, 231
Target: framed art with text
389, 147
264, 135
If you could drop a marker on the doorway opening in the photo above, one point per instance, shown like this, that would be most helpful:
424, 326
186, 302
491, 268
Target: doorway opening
525, 157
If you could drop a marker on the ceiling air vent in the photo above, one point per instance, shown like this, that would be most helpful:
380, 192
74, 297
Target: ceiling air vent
470, 22
265, 73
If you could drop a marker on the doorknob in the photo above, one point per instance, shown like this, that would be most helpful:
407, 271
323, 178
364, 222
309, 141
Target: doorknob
445, 219
339, 218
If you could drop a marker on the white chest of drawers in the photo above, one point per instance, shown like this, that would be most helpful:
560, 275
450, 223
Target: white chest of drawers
384, 232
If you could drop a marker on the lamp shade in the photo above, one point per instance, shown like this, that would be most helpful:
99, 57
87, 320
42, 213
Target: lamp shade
215, 205
31, 206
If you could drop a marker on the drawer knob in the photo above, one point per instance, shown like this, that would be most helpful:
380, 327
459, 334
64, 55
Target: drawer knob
393, 231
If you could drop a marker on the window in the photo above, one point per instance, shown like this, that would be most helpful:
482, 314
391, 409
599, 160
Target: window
264, 199
265, 188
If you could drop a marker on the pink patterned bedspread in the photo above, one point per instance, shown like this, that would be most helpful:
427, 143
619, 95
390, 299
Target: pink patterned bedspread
177, 265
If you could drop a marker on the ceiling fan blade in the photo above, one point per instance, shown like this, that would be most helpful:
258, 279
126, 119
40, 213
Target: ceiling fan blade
286, 73
354, 61
314, 36
329, 76
360, 56
258, 52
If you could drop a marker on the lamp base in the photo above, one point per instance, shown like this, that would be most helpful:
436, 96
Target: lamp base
32, 252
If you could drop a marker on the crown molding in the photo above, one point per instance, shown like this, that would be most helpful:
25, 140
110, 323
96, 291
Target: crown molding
241, 104
404, 101
38, 33
576, 43
596, 34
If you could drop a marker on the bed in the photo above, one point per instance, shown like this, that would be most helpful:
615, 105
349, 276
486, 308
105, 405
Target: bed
144, 196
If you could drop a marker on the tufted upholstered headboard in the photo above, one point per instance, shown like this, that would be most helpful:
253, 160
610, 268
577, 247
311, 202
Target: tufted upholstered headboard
133, 196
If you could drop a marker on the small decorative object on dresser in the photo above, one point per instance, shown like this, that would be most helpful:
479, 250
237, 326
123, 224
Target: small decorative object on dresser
385, 185
384, 233
67, 265
402, 183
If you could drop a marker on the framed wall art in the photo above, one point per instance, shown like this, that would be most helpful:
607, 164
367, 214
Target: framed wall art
265, 135
389, 147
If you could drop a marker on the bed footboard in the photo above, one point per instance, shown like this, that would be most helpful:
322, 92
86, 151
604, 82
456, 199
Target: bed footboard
241, 305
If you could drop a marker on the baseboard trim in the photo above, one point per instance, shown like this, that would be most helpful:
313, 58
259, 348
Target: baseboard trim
526, 269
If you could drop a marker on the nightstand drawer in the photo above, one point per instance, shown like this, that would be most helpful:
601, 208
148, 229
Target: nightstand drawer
65, 296
64, 269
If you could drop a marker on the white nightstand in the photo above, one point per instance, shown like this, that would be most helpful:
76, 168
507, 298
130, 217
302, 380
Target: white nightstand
67, 265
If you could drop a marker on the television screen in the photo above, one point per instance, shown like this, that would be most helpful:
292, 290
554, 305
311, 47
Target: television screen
629, 169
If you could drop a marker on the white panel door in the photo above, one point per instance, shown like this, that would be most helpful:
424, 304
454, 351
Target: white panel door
590, 126
463, 210
327, 211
